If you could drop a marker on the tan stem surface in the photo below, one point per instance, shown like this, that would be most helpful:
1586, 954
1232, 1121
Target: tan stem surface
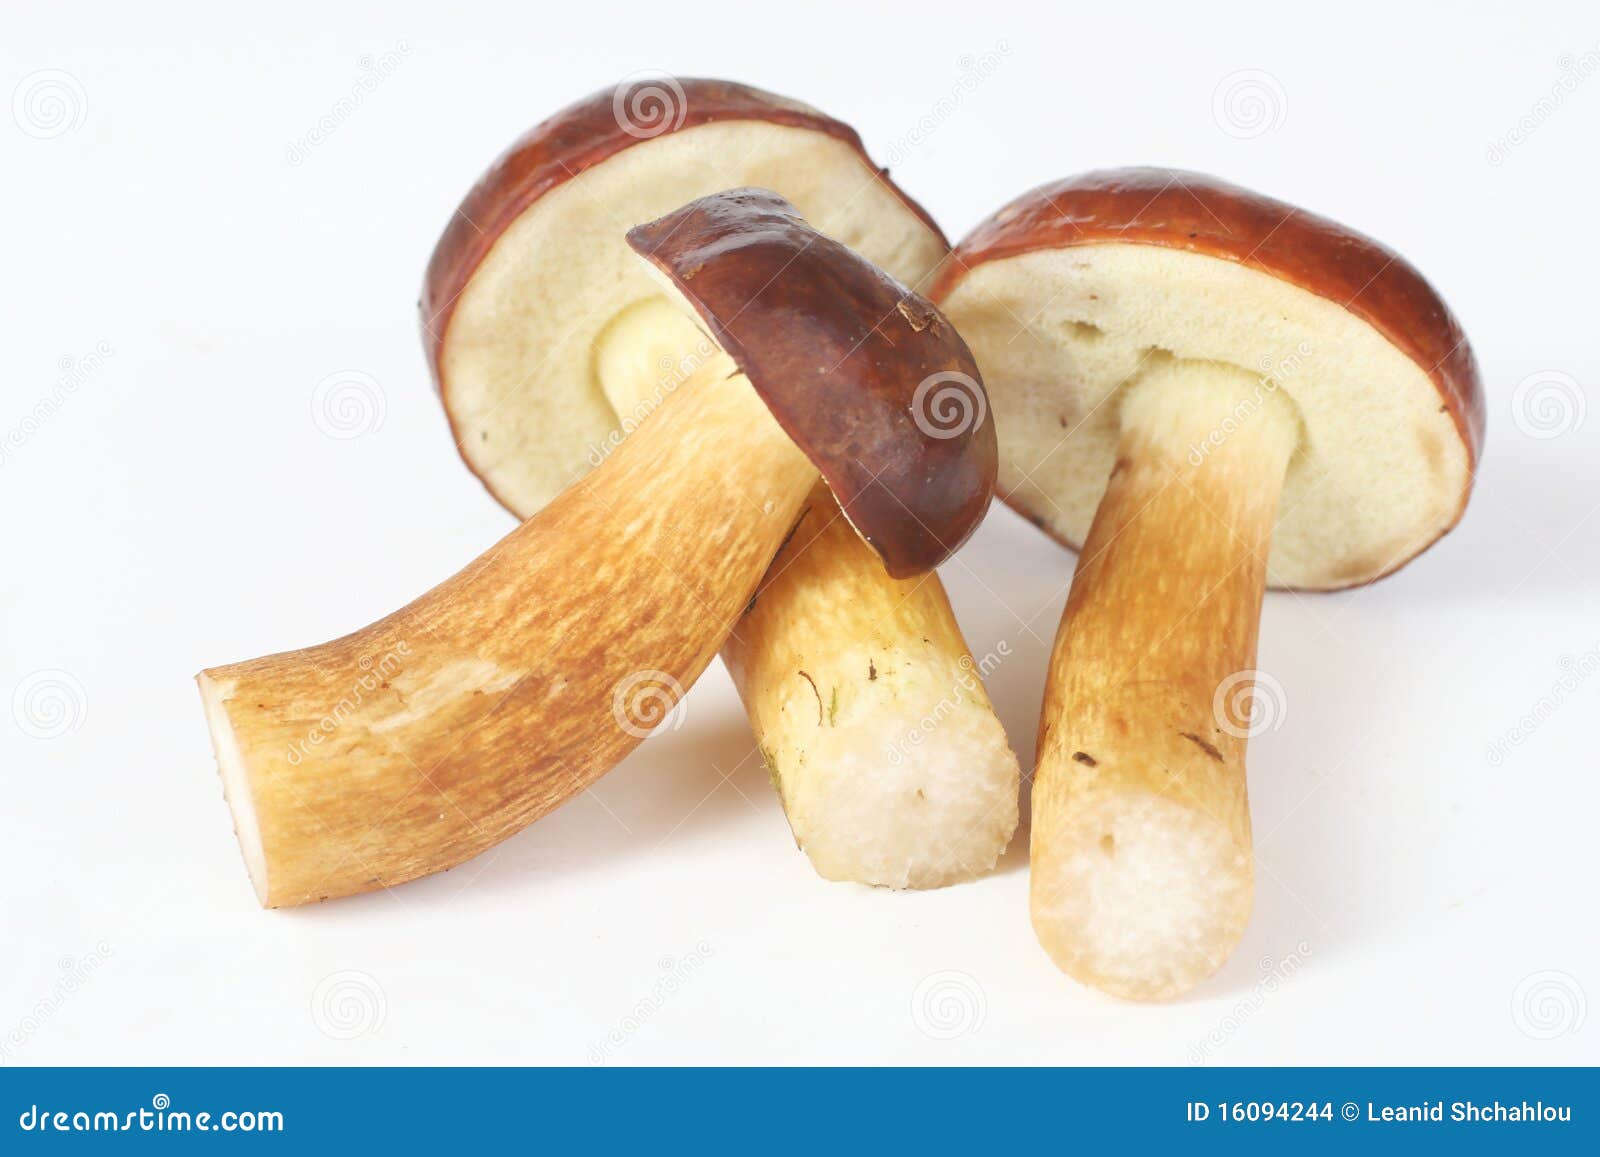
863, 696
418, 742
871, 714
1141, 860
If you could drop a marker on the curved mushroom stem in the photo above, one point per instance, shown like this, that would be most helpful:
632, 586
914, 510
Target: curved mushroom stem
414, 744
865, 701
1141, 861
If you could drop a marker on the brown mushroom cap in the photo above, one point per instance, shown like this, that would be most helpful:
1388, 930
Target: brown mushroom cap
1065, 292
532, 268
849, 361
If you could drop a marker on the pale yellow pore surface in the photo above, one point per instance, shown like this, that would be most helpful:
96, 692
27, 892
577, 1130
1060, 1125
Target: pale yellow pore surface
440, 730
1141, 858
518, 361
1381, 470
867, 705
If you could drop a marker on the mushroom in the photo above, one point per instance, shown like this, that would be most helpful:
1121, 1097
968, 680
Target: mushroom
421, 740
1209, 390
549, 344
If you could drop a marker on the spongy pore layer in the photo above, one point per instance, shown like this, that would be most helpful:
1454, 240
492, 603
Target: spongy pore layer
517, 367
1381, 470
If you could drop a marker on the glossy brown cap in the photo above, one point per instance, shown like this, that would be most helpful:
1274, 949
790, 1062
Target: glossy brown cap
1192, 211
580, 137
866, 377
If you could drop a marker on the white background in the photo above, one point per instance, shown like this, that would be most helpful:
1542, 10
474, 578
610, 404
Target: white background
183, 509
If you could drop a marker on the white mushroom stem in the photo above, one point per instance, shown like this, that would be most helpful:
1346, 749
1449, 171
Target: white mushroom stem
1141, 860
865, 701
440, 730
